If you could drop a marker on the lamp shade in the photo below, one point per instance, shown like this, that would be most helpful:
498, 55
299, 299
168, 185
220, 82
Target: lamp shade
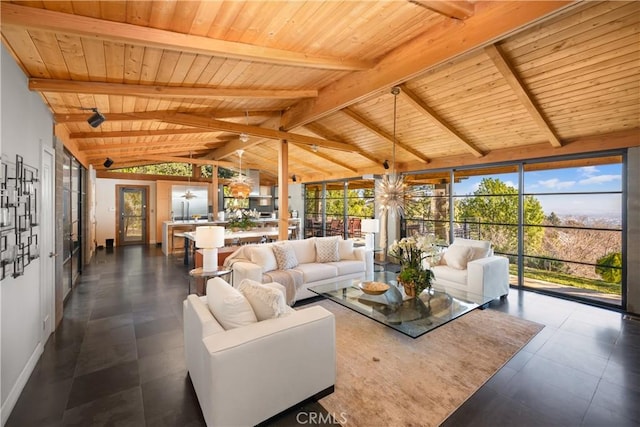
209, 237
369, 225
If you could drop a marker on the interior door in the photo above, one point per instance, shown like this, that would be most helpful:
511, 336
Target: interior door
47, 244
132, 214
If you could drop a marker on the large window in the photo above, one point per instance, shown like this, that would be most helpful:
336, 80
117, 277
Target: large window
338, 207
559, 223
575, 245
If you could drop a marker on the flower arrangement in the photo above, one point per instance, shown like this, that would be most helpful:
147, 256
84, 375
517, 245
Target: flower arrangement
242, 219
410, 253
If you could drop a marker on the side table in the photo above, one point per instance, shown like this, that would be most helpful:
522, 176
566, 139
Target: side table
200, 274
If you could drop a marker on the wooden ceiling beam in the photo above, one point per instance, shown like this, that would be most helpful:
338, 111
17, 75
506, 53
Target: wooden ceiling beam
295, 161
181, 152
155, 91
153, 115
83, 26
231, 147
579, 145
152, 159
138, 133
491, 21
325, 156
165, 145
520, 90
323, 132
427, 111
260, 132
148, 149
102, 172
451, 9
384, 135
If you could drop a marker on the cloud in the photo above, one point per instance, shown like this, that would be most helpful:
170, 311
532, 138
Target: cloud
588, 170
599, 179
510, 184
556, 183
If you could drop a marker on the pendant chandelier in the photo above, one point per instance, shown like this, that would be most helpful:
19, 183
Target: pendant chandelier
240, 185
243, 136
188, 194
390, 190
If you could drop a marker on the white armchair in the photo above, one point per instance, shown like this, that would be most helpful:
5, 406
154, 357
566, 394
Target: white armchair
246, 375
470, 265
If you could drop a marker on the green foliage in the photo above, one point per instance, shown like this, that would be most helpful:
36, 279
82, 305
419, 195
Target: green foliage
242, 219
420, 278
567, 280
553, 219
176, 169
611, 275
496, 203
357, 203
171, 169
206, 172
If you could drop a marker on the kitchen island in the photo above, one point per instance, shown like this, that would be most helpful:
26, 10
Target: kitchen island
172, 243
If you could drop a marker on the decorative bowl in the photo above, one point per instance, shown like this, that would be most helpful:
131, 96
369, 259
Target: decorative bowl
373, 288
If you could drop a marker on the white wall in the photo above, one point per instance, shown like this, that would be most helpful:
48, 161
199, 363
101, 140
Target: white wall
27, 126
105, 209
296, 200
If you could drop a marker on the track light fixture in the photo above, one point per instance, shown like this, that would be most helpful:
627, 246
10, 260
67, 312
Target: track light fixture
386, 164
96, 118
107, 163
294, 178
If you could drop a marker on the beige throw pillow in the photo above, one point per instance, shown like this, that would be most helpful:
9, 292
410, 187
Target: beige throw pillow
457, 256
268, 302
345, 249
327, 249
227, 304
285, 255
264, 257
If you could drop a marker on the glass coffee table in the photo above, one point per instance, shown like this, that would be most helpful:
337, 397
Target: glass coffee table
411, 316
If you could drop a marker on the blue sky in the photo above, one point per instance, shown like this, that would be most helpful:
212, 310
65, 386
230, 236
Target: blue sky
569, 180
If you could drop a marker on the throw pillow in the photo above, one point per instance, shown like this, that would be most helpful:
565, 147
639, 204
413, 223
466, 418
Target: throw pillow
285, 255
345, 249
268, 302
305, 250
477, 253
227, 304
457, 256
264, 257
327, 249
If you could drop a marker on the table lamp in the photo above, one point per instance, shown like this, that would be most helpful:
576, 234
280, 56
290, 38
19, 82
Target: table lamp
369, 226
209, 239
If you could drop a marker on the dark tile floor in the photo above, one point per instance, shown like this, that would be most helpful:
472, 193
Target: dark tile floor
116, 359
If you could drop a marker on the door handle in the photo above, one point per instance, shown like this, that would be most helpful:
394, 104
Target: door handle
52, 254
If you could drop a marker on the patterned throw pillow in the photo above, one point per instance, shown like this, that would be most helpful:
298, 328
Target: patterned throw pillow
327, 249
285, 256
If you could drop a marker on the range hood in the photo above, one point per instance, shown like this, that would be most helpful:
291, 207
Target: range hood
258, 191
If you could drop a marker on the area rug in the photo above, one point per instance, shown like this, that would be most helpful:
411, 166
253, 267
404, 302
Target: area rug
385, 378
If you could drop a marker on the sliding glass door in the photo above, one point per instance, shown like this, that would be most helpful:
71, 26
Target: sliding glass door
71, 221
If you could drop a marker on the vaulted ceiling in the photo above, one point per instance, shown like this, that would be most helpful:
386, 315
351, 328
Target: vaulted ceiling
481, 81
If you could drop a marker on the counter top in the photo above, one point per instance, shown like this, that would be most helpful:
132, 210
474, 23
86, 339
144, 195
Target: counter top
206, 222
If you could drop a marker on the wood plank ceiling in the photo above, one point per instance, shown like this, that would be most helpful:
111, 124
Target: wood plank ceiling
480, 81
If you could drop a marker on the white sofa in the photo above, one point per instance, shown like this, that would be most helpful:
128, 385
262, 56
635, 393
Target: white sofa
257, 262
246, 375
470, 265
